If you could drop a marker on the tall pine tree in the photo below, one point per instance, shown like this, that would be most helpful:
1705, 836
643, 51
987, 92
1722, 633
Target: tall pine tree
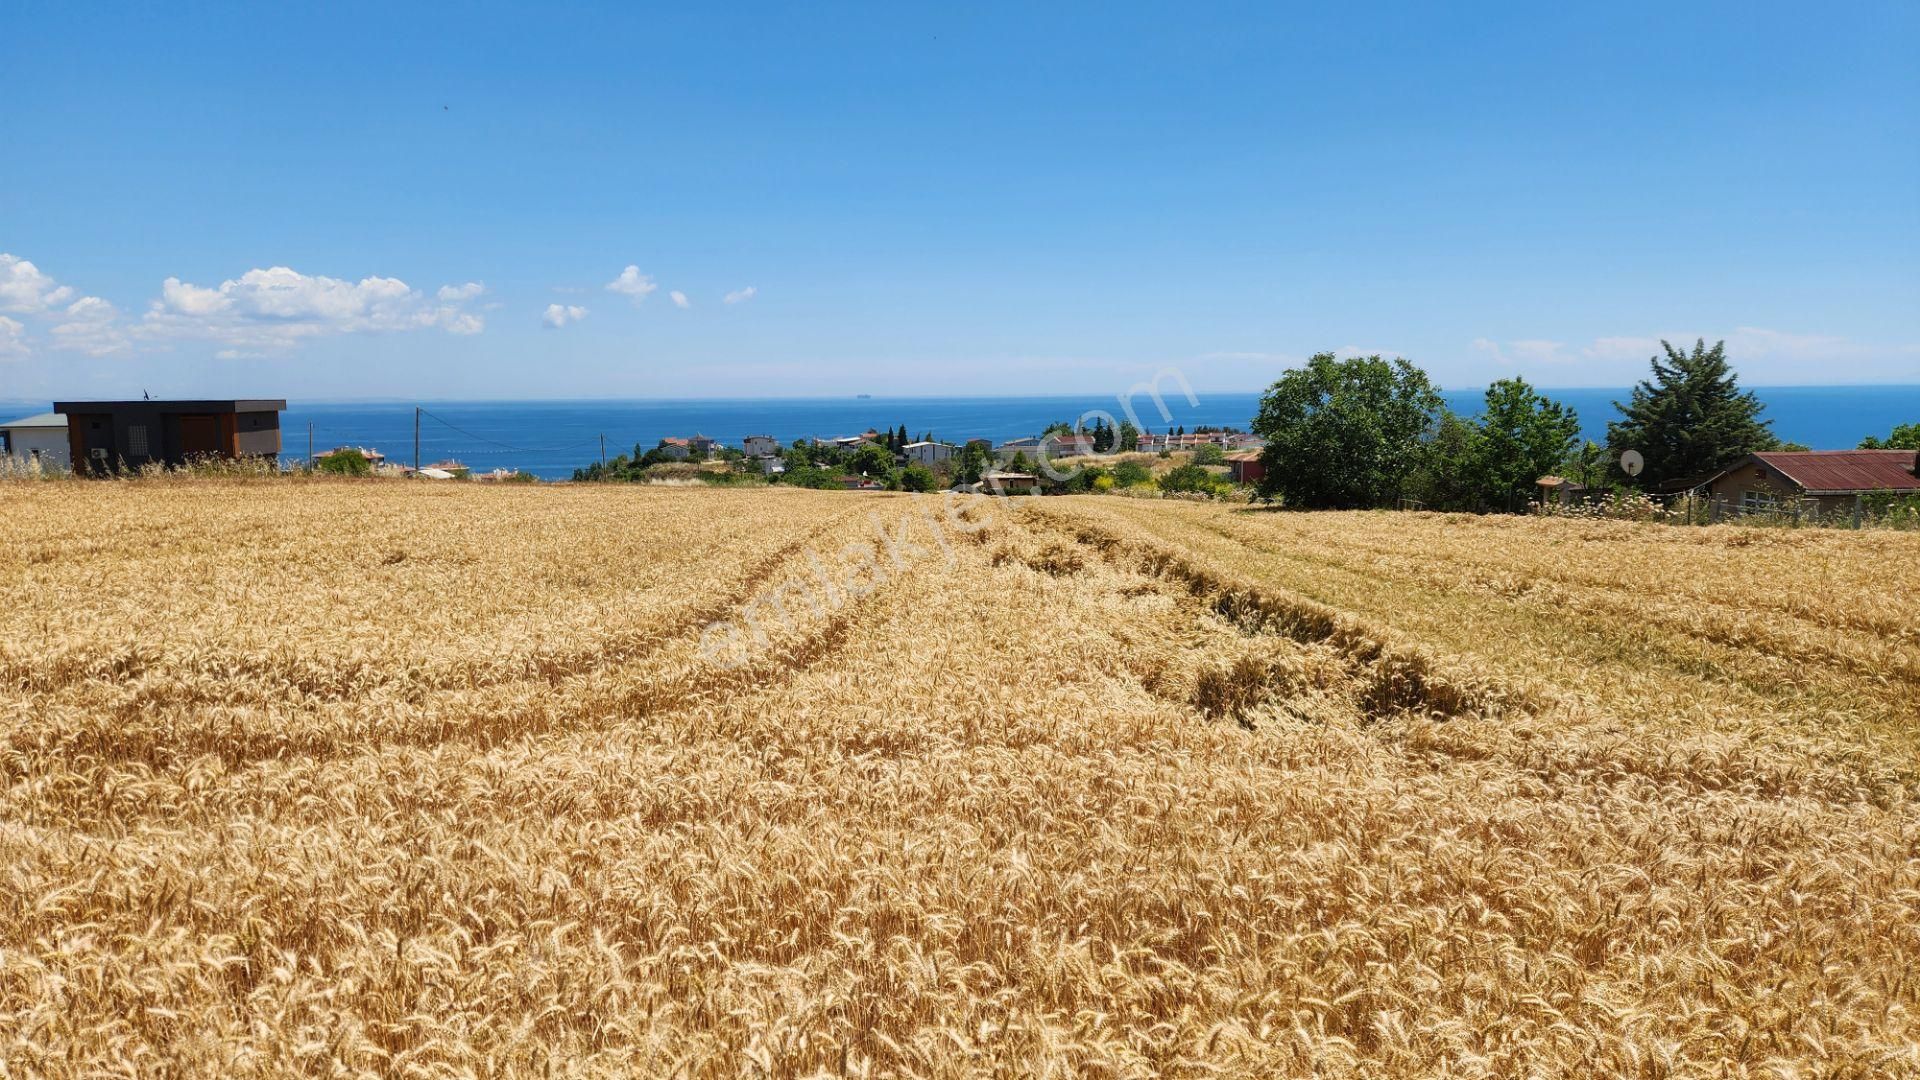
1691, 419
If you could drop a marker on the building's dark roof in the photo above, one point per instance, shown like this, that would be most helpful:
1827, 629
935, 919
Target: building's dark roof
237, 405
1843, 471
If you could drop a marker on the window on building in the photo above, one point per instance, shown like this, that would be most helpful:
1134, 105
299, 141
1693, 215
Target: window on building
1759, 500
137, 440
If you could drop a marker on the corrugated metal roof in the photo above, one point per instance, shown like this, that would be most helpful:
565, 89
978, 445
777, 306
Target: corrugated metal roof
1846, 470
38, 420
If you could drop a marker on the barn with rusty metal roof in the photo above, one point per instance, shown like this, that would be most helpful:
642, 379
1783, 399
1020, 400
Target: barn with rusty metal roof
1827, 481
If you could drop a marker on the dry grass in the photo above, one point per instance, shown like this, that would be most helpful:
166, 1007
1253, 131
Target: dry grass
385, 779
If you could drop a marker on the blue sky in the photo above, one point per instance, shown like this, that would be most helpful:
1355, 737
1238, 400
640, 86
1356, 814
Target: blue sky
391, 201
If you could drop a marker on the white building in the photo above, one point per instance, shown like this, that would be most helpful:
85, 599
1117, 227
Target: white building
928, 453
761, 446
41, 437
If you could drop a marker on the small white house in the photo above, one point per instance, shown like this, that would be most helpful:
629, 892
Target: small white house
759, 446
41, 437
928, 453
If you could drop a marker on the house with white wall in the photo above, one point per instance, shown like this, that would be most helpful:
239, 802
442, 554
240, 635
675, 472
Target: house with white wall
41, 437
928, 453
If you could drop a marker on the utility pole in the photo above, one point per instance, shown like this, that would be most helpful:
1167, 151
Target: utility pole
603, 450
309, 442
416, 441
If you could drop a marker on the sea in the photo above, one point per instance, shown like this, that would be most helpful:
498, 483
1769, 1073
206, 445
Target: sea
552, 438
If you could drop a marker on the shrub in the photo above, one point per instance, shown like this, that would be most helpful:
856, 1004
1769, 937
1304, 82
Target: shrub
1130, 474
344, 463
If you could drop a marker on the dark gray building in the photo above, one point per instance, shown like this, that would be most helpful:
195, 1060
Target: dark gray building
107, 435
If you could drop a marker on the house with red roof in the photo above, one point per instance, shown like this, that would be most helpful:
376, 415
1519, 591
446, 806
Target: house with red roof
1832, 481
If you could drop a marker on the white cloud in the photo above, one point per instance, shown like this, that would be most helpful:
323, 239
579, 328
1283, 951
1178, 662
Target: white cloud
1525, 351
680, 300
741, 296
92, 326
13, 339
464, 323
1758, 355
558, 315
453, 294
633, 283
25, 288
271, 310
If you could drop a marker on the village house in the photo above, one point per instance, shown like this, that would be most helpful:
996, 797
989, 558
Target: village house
1244, 467
1193, 441
761, 446
1827, 482
1066, 446
677, 449
1030, 446
107, 435
927, 453
1008, 483
41, 437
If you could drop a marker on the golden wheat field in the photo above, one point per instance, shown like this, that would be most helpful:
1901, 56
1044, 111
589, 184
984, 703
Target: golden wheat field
381, 779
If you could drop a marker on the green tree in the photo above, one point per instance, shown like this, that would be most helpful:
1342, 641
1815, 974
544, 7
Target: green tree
1020, 462
973, 461
1904, 437
917, 478
1521, 436
871, 460
1209, 454
1129, 437
1448, 464
1345, 433
1586, 466
1691, 419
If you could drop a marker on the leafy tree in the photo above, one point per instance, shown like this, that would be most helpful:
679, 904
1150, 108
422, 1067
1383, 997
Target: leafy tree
1209, 454
1586, 466
1058, 427
917, 478
871, 460
1345, 433
900, 439
973, 462
346, 462
1130, 474
1904, 437
1445, 479
1020, 463
1129, 437
1522, 436
1690, 419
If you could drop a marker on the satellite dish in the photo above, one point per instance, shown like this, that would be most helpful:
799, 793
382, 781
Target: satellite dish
1631, 463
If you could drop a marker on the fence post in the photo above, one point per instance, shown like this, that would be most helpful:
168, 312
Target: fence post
1859, 506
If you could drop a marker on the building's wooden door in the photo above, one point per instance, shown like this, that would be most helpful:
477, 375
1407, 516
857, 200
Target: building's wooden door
199, 436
